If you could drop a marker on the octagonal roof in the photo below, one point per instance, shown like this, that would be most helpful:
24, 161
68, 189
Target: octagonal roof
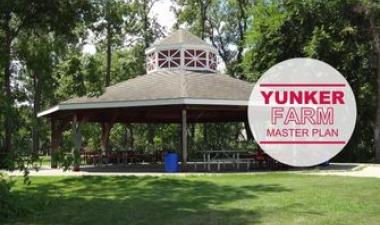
180, 37
192, 80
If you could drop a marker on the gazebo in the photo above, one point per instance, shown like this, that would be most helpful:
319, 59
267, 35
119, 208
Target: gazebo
181, 86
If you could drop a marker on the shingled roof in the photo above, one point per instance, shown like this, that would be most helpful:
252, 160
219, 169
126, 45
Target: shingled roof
173, 84
175, 87
182, 75
181, 37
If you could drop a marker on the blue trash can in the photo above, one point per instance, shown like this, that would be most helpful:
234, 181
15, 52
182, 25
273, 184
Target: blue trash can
171, 162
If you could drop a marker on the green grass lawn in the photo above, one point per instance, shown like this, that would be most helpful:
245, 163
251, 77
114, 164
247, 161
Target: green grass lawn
222, 199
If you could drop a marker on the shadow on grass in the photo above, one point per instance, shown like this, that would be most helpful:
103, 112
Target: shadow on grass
143, 200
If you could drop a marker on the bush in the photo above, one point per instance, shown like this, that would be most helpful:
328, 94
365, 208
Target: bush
9, 206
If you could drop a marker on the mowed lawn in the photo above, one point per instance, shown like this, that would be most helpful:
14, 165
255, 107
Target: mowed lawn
270, 198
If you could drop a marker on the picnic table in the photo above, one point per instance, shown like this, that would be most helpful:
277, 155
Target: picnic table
125, 157
221, 157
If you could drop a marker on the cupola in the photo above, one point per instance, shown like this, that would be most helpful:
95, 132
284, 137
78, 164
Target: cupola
181, 51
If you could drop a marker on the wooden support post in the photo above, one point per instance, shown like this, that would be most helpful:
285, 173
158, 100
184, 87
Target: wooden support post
77, 140
248, 131
56, 136
184, 140
57, 127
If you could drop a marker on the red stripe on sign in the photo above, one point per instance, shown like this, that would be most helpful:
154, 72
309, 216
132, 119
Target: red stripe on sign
302, 85
303, 142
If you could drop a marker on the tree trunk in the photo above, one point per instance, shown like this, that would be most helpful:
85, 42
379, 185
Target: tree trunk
146, 33
77, 141
57, 127
128, 136
203, 18
205, 137
192, 135
132, 140
7, 86
54, 146
377, 128
376, 43
203, 10
242, 27
109, 55
248, 131
106, 129
151, 133
36, 108
184, 140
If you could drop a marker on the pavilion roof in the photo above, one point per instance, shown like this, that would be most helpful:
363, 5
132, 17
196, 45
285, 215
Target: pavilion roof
180, 37
176, 87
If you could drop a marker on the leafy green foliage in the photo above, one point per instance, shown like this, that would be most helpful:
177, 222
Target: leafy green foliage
334, 32
8, 206
223, 23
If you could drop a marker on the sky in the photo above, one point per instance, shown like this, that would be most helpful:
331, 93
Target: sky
161, 10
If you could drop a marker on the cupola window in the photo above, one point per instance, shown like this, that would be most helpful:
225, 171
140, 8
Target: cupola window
181, 50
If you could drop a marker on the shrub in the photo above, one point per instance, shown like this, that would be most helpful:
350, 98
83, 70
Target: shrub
9, 206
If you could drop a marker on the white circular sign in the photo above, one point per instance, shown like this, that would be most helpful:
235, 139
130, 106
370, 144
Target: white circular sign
302, 112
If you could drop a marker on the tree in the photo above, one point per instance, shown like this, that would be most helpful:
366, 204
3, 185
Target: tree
223, 23
35, 54
228, 26
371, 10
194, 13
147, 31
115, 20
333, 32
12, 19
21, 17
